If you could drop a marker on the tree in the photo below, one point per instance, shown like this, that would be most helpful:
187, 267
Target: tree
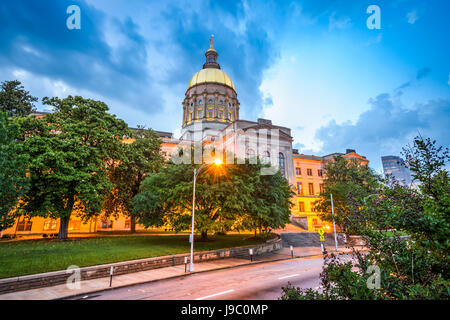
412, 268
229, 197
268, 201
13, 181
344, 176
15, 100
140, 157
70, 151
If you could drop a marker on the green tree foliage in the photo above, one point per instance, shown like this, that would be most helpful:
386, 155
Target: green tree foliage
13, 181
413, 268
268, 201
344, 176
15, 100
70, 151
139, 158
228, 197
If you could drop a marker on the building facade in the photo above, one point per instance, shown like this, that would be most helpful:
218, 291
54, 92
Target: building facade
210, 117
309, 178
395, 170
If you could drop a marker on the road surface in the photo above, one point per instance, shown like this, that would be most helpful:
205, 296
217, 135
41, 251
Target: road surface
256, 282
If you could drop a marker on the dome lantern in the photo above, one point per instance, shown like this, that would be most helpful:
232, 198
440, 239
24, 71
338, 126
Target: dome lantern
211, 56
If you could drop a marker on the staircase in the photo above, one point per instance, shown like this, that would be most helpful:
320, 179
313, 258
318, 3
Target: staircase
301, 222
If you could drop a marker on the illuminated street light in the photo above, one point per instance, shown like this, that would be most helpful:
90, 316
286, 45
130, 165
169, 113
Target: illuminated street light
217, 162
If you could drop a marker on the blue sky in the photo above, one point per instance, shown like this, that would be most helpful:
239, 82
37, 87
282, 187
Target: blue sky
313, 66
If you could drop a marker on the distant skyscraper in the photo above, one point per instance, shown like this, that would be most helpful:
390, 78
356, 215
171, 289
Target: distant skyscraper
395, 170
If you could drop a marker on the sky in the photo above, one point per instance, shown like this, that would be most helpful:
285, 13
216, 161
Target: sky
312, 66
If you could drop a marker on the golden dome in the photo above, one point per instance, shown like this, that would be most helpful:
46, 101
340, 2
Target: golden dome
211, 75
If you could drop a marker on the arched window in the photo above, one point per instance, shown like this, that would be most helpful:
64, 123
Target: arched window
266, 157
210, 101
200, 102
281, 164
250, 153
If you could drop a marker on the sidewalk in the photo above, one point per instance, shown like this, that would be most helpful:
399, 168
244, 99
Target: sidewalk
94, 285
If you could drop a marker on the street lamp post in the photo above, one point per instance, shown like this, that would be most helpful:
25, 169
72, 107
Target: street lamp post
196, 173
334, 224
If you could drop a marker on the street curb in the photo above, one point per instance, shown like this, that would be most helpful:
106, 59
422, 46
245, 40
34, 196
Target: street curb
187, 274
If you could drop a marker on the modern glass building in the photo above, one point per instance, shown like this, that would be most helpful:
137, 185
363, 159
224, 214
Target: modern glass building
395, 170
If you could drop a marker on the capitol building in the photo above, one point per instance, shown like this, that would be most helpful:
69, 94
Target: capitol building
210, 118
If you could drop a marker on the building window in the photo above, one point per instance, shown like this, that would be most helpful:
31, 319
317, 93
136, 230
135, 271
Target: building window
107, 224
200, 102
229, 104
321, 187
229, 115
190, 116
74, 225
320, 172
200, 114
221, 102
266, 157
309, 172
220, 114
311, 189
281, 164
50, 225
127, 224
24, 225
298, 171
210, 114
313, 207
210, 101
301, 206
299, 188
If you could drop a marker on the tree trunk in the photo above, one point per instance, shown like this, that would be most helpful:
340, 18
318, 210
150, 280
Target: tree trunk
132, 224
204, 236
63, 227
64, 220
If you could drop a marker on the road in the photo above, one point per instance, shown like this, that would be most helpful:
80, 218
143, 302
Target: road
255, 282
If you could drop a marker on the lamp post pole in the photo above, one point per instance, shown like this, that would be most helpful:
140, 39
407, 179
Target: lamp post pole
191, 262
334, 224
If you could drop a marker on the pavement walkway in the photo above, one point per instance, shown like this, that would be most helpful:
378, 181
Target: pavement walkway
88, 286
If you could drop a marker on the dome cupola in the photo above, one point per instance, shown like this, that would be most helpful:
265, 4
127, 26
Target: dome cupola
211, 96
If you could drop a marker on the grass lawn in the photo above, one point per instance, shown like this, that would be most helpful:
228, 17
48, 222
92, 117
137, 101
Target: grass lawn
36, 256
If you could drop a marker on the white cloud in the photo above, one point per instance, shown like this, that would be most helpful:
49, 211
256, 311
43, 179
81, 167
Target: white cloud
387, 127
